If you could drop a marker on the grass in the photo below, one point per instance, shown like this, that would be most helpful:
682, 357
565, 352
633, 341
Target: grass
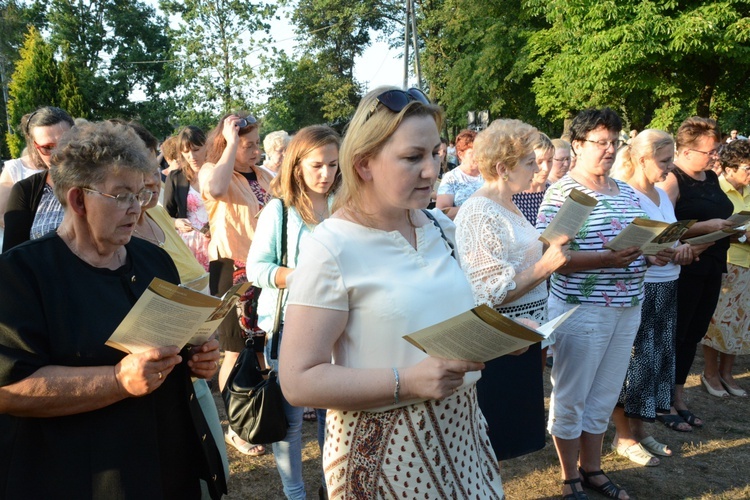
709, 463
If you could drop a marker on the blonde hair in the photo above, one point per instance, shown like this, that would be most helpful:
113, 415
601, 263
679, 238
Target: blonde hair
369, 130
504, 142
289, 184
643, 145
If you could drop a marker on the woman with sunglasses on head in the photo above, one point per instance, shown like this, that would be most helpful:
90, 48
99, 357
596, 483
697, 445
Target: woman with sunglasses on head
307, 180
458, 184
33, 206
592, 347
182, 193
729, 331
234, 190
400, 423
695, 192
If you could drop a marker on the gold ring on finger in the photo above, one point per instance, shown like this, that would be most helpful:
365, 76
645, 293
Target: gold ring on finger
161, 376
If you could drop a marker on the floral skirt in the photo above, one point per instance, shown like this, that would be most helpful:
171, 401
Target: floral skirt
434, 449
729, 331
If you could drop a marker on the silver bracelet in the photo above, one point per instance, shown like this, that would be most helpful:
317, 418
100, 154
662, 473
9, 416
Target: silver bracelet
397, 388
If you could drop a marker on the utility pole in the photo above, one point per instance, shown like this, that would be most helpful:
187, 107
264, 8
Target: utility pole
417, 66
406, 44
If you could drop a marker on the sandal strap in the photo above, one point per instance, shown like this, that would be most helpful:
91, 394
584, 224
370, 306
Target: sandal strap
590, 474
572, 481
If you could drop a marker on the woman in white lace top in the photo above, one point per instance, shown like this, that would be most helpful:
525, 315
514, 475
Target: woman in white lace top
507, 267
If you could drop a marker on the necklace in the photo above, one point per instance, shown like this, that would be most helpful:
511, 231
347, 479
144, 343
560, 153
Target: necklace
117, 254
155, 239
596, 187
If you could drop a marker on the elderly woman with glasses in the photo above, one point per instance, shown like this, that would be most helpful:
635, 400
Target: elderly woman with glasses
696, 193
593, 347
729, 332
234, 190
26, 196
400, 423
91, 421
561, 160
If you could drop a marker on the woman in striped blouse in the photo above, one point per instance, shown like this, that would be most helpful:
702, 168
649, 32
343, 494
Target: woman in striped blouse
592, 348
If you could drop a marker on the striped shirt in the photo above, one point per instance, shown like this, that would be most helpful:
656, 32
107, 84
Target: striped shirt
617, 287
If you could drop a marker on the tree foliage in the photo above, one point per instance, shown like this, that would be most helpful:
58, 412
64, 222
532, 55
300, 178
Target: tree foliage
474, 58
114, 48
335, 33
35, 82
656, 62
212, 43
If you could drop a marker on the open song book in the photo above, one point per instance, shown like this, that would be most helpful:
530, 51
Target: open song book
570, 218
651, 236
168, 314
480, 334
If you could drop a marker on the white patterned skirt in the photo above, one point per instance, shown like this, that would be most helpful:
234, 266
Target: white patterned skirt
434, 449
729, 331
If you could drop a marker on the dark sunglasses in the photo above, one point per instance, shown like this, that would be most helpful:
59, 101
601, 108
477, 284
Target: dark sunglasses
244, 122
397, 100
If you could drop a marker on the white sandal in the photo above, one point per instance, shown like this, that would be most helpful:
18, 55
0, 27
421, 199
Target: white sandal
638, 454
254, 450
655, 447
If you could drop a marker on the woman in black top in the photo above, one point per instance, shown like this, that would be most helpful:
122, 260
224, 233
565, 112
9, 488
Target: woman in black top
694, 189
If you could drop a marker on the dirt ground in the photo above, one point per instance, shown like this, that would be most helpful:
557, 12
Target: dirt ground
709, 463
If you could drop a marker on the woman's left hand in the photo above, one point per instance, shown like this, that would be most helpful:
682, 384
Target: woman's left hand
662, 258
683, 255
204, 359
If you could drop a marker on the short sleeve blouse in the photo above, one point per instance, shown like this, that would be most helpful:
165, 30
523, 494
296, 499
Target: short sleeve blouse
388, 288
460, 185
616, 287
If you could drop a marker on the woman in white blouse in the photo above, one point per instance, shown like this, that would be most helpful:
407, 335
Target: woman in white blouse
649, 382
507, 267
400, 424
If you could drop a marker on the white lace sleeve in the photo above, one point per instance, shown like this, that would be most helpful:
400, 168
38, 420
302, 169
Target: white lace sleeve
484, 238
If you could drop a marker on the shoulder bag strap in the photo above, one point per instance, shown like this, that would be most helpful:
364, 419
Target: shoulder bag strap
276, 337
442, 233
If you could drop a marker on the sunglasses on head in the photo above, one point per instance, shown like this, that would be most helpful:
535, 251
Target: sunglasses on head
396, 100
244, 122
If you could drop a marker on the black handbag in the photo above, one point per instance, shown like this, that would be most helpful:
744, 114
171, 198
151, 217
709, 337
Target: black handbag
255, 408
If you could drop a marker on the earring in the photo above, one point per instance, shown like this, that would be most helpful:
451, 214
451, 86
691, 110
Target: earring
505, 177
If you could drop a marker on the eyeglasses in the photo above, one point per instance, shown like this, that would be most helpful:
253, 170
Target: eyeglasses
713, 152
126, 200
248, 120
562, 160
396, 100
606, 144
744, 168
45, 150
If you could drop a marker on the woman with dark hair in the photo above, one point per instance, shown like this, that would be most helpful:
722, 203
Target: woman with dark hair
234, 190
305, 186
34, 210
182, 193
461, 182
729, 332
695, 192
592, 347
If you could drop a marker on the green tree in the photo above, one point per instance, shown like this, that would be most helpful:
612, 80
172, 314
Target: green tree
336, 32
211, 71
34, 83
14, 18
295, 98
473, 59
656, 62
115, 48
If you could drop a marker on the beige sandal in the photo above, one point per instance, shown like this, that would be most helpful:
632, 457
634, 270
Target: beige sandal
638, 454
655, 447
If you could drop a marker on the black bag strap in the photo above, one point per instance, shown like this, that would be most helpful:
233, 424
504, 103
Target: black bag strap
276, 337
440, 228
